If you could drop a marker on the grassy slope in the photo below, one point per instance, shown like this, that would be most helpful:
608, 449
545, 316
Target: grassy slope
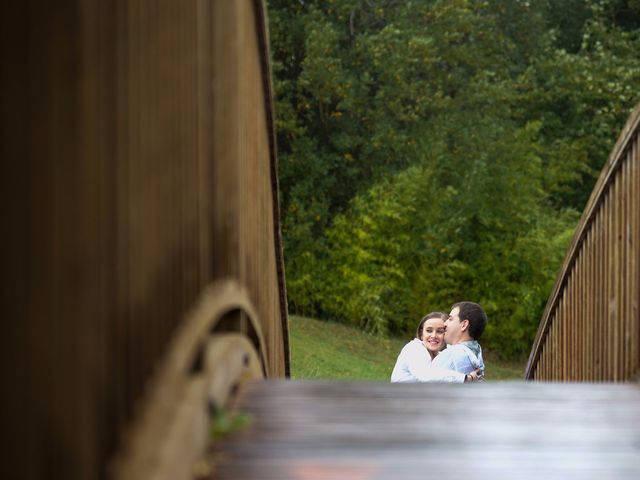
331, 350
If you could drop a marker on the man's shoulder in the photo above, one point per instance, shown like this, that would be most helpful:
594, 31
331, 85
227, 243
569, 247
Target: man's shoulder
455, 349
444, 356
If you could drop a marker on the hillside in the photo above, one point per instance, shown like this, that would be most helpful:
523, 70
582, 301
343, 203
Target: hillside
330, 350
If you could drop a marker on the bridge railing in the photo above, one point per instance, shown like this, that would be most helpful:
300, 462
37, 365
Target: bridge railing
140, 219
590, 329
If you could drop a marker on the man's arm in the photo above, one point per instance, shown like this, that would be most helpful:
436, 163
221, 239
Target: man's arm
454, 358
442, 375
444, 360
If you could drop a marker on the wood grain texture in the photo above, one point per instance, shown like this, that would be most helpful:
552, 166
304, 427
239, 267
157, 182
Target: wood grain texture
372, 430
594, 302
138, 168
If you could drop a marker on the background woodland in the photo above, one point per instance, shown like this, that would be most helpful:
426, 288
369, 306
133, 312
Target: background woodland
439, 150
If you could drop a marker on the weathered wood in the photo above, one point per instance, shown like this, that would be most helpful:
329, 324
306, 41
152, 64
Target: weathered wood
245, 193
371, 430
634, 337
138, 168
594, 302
171, 430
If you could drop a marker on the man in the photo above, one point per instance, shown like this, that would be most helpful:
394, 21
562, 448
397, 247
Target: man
464, 327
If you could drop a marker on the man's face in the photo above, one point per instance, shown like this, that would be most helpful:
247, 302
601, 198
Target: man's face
454, 327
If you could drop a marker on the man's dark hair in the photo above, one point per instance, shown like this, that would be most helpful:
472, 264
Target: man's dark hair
476, 316
440, 315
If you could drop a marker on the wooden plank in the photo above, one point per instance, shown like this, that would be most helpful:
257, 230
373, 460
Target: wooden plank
588, 299
564, 333
634, 339
624, 260
578, 321
610, 276
568, 363
553, 340
591, 314
372, 430
615, 332
244, 220
633, 260
619, 278
568, 327
601, 314
557, 338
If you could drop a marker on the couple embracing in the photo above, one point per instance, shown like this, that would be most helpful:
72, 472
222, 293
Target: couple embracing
424, 360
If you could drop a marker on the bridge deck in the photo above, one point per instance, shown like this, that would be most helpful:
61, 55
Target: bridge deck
312, 430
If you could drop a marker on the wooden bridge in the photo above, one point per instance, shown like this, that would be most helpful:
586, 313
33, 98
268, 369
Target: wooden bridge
143, 283
368, 430
590, 330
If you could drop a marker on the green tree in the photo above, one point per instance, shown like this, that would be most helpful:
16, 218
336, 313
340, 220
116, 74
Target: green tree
582, 101
437, 150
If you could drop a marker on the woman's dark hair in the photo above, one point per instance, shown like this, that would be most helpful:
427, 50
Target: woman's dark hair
442, 316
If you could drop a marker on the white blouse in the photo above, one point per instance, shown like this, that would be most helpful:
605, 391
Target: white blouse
414, 365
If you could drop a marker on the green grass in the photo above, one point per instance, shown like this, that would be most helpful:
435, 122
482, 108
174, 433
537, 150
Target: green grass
328, 350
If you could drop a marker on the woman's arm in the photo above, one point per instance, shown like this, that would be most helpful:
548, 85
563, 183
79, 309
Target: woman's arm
424, 371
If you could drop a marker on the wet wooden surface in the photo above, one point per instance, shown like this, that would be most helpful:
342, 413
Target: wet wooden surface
310, 430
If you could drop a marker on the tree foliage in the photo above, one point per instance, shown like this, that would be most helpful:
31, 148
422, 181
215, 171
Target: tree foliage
433, 151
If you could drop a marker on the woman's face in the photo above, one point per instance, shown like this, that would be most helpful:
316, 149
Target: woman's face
433, 335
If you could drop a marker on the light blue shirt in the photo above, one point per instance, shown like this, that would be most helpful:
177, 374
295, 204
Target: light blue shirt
464, 357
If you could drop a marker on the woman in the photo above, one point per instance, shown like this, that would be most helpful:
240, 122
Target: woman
414, 362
